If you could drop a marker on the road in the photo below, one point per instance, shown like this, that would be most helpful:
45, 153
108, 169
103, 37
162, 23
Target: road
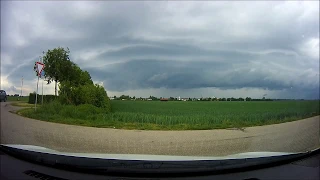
294, 136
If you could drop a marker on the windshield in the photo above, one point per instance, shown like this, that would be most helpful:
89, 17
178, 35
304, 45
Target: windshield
207, 79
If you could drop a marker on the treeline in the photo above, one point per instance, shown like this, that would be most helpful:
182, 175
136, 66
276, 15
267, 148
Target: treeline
153, 98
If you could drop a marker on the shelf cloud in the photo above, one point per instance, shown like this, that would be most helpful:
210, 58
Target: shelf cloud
162, 48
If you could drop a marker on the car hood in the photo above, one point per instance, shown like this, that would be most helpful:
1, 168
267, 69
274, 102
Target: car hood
147, 156
143, 163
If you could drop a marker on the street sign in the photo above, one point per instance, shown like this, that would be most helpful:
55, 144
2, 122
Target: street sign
40, 67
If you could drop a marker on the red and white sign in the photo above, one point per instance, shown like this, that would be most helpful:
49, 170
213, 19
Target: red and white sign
40, 67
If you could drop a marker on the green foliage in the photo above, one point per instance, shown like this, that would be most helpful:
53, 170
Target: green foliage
84, 94
127, 97
76, 86
57, 64
46, 98
32, 98
56, 109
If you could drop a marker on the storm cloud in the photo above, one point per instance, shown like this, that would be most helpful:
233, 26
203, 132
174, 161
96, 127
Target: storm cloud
167, 48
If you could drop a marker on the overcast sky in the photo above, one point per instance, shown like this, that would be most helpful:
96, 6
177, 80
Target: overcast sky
187, 49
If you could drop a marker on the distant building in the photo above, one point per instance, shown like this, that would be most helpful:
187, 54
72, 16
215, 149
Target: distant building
164, 99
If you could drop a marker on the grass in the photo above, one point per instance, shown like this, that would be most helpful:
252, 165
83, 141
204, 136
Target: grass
22, 104
173, 115
15, 98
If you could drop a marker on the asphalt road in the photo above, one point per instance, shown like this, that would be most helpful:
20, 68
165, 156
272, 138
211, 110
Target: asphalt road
294, 136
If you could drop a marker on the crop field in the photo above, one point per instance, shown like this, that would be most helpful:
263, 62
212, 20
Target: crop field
17, 98
213, 114
179, 115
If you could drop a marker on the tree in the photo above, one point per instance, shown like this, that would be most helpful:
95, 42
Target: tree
73, 79
127, 97
75, 85
57, 65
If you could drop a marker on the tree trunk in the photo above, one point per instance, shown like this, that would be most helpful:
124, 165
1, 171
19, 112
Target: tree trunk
55, 88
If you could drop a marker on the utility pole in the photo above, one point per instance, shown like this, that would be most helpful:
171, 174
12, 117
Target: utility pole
42, 84
35, 103
21, 85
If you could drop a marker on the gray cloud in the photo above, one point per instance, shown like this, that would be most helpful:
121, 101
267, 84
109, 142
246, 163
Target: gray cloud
132, 46
197, 74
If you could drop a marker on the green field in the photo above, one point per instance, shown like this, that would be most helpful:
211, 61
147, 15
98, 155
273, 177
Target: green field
178, 115
15, 98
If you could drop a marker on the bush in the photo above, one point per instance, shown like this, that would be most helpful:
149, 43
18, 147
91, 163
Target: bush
83, 111
84, 94
46, 98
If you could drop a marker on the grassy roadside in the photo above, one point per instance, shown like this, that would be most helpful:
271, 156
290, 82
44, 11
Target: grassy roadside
162, 116
23, 104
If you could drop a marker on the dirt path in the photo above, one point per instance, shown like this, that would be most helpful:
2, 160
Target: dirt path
294, 136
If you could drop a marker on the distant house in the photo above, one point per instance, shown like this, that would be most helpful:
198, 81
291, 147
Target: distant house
164, 99
149, 99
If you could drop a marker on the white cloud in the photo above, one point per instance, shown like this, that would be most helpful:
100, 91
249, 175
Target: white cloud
5, 59
311, 48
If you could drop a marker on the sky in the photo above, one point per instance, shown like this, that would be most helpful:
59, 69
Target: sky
169, 48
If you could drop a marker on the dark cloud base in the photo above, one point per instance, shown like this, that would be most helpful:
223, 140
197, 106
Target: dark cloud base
140, 74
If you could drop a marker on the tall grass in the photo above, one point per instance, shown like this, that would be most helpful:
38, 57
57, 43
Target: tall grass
178, 115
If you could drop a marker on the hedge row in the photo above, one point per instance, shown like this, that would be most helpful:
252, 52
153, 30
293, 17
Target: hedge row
46, 98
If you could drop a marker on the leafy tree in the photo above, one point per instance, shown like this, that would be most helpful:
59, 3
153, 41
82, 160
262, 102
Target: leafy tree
127, 97
75, 85
57, 65
153, 98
